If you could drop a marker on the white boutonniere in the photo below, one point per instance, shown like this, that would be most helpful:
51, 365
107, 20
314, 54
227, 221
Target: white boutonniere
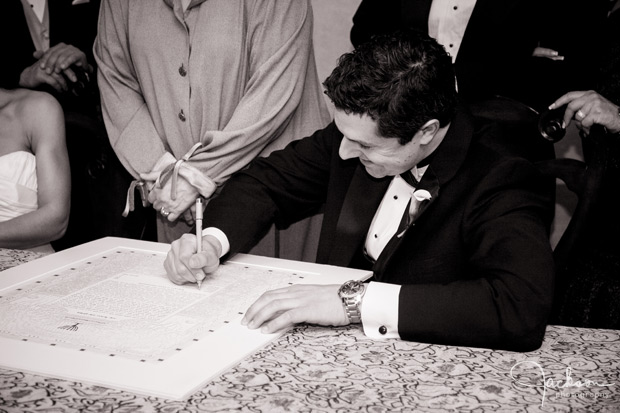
417, 197
422, 195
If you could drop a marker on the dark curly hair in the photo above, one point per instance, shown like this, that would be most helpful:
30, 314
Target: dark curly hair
401, 80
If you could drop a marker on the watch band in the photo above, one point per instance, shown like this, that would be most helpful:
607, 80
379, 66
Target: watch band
351, 306
351, 293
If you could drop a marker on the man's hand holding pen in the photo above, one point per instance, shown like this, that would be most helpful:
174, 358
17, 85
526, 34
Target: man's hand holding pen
186, 265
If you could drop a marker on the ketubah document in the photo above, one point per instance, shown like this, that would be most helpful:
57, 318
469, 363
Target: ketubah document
105, 313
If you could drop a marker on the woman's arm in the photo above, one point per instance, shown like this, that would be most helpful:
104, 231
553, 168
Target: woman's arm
43, 122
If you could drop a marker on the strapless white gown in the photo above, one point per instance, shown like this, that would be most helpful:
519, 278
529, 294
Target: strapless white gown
18, 188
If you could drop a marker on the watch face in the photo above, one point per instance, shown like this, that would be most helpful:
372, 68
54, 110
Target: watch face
350, 288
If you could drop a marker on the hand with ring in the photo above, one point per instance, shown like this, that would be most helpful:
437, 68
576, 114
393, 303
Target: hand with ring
183, 206
588, 108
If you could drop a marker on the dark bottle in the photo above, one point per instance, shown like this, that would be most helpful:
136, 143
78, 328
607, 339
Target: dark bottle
550, 124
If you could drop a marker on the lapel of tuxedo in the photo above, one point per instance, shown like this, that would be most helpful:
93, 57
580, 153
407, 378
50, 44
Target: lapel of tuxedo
358, 209
446, 161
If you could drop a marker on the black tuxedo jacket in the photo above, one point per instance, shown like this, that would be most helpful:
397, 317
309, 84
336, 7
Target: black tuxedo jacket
496, 49
476, 267
70, 24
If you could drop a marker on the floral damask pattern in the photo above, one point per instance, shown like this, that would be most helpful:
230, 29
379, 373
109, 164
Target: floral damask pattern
316, 369
11, 258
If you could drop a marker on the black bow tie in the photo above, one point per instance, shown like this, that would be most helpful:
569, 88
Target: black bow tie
408, 177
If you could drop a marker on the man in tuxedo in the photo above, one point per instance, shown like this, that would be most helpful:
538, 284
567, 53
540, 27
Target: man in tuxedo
453, 227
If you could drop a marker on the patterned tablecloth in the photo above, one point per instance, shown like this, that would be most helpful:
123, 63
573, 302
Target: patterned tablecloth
315, 369
10, 258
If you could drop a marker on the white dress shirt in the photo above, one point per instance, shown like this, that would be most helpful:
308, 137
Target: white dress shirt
38, 7
37, 18
447, 22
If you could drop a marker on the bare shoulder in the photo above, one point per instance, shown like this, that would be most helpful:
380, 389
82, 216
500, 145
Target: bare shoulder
19, 111
41, 114
32, 105
27, 106
38, 115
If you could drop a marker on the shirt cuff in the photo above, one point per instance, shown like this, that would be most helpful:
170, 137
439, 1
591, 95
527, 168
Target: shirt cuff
221, 237
380, 310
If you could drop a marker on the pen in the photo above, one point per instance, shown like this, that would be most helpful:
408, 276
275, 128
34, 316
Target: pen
199, 231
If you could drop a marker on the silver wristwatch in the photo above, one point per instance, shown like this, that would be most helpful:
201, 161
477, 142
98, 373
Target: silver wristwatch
351, 293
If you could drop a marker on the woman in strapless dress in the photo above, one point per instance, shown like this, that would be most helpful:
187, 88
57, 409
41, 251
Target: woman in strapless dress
35, 181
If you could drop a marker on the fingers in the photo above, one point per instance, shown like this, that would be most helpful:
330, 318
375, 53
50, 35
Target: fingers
284, 307
209, 258
274, 310
578, 106
173, 215
188, 217
33, 77
174, 208
579, 101
74, 57
165, 212
183, 265
152, 194
588, 108
56, 81
547, 53
575, 111
70, 74
177, 261
164, 209
566, 98
61, 57
251, 314
283, 319
161, 209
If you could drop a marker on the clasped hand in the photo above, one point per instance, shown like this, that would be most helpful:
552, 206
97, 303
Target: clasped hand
272, 311
54, 67
182, 206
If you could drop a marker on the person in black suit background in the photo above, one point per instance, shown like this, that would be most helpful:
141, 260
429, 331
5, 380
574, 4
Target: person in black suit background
453, 227
588, 285
45, 46
496, 50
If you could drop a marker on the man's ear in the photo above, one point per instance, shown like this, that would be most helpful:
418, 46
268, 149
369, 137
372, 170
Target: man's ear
428, 131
